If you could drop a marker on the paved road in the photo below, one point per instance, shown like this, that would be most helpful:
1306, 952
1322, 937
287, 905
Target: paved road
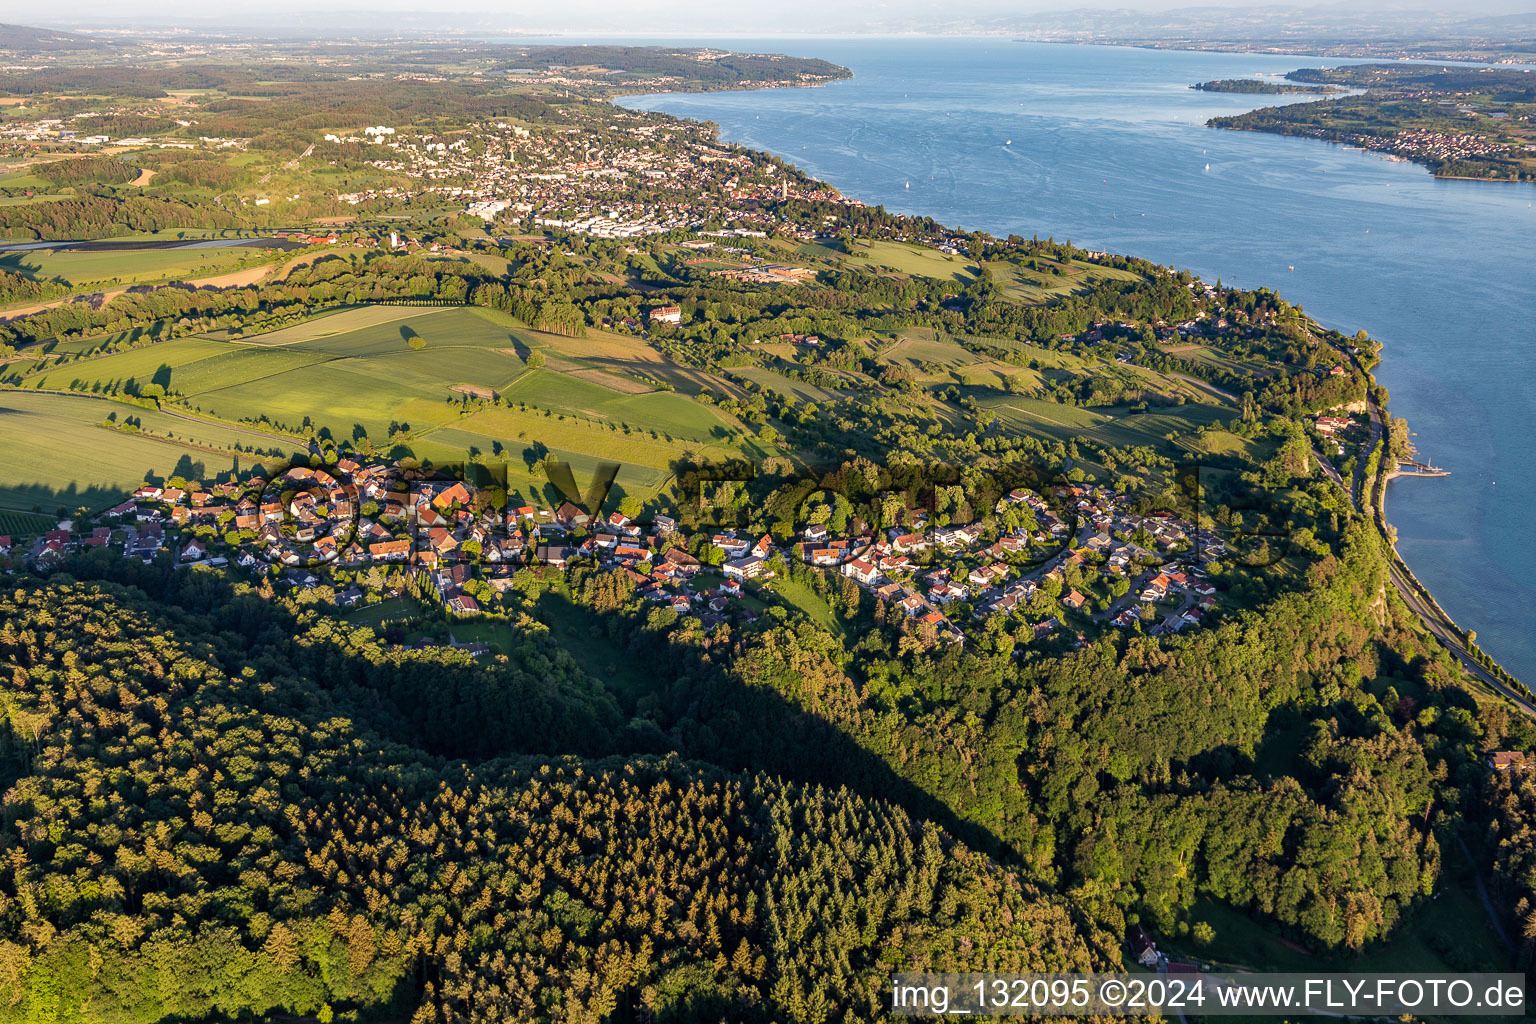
1420, 603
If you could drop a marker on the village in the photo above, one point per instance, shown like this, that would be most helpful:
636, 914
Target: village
1070, 561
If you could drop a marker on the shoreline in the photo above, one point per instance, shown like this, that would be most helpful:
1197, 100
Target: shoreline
1382, 521
1384, 154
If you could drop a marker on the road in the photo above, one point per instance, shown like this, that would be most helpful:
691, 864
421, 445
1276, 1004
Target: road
1414, 596
1357, 486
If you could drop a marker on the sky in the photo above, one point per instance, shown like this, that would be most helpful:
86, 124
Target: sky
700, 17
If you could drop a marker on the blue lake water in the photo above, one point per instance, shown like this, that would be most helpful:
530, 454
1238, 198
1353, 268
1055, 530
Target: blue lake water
1109, 149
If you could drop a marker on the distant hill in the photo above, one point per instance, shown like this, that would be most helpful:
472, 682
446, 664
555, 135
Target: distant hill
42, 40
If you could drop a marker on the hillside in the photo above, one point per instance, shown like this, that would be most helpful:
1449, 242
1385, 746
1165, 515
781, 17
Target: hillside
23, 39
244, 835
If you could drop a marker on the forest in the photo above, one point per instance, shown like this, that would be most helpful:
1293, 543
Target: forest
216, 811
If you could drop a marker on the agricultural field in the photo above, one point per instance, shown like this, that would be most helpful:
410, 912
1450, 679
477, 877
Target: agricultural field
22, 524
341, 321
157, 363
629, 356
916, 261
931, 358
402, 378
129, 266
672, 415
42, 433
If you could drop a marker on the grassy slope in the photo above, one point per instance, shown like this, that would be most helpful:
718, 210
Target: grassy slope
59, 454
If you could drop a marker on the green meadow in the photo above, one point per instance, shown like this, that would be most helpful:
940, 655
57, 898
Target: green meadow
128, 266
799, 390
59, 454
917, 261
400, 378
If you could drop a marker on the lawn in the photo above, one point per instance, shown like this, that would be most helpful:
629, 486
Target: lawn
933, 358
1113, 426
582, 634
374, 615
1049, 279
796, 389
800, 596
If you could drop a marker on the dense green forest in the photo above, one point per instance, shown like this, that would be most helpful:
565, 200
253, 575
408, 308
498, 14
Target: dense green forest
222, 813
1509, 814
1254, 85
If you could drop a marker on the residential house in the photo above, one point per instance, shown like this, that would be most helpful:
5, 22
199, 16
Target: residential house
749, 568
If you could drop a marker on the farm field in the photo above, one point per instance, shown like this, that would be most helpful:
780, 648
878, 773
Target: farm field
398, 377
13, 524
156, 363
799, 390
128, 266
626, 355
1117, 427
917, 261
42, 433
516, 429
85, 346
672, 415
341, 321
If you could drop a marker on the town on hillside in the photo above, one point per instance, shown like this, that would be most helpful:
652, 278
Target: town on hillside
354, 534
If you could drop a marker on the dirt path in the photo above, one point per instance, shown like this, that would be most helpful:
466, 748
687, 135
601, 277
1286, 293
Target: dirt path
233, 279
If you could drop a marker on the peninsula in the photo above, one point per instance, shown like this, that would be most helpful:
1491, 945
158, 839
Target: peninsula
1458, 122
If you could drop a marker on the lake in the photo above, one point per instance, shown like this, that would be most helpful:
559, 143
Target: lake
1106, 146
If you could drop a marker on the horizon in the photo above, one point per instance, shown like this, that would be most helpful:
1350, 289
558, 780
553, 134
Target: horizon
796, 19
